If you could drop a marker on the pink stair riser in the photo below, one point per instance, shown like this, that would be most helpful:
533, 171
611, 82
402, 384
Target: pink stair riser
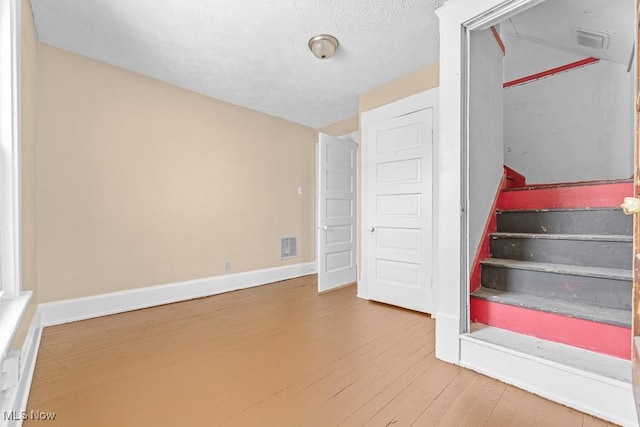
587, 196
598, 337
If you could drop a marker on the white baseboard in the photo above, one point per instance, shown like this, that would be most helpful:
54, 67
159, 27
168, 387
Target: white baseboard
603, 397
55, 313
362, 290
17, 401
447, 338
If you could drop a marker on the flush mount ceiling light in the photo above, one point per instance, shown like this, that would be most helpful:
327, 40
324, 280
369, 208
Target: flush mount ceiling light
323, 46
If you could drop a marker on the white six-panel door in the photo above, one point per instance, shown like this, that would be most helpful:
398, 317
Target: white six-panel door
398, 228
337, 213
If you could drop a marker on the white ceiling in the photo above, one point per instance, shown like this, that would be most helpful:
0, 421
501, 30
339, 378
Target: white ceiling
253, 52
552, 23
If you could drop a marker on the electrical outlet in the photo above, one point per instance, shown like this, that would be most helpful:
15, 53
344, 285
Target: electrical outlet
227, 265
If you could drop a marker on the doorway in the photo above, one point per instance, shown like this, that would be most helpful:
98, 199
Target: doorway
337, 211
555, 380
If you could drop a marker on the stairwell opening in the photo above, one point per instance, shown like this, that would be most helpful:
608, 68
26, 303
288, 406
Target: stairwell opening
548, 250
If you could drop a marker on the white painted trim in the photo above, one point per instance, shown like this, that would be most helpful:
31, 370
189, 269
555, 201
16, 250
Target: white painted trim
55, 313
10, 212
403, 106
11, 312
317, 200
603, 397
447, 338
450, 253
28, 355
362, 291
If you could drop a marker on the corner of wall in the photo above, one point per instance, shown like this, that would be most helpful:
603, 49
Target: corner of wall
343, 127
419, 81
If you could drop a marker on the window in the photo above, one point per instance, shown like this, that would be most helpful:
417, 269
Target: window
13, 302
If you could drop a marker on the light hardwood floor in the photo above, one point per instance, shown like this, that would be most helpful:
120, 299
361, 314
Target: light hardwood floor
277, 355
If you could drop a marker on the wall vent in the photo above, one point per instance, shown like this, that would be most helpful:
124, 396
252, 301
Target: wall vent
591, 39
288, 247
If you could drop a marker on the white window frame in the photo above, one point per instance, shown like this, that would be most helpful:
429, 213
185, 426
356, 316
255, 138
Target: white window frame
13, 301
10, 210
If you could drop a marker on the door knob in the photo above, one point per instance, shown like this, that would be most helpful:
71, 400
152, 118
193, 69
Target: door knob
372, 229
631, 205
325, 228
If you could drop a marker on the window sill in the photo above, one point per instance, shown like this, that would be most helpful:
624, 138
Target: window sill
11, 312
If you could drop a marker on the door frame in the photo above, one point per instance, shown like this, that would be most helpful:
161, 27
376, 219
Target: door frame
576, 388
404, 106
457, 20
349, 137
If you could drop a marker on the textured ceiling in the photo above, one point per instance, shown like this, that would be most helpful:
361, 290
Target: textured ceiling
253, 52
553, 22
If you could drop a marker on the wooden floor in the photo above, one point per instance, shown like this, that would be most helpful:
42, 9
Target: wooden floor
277, 355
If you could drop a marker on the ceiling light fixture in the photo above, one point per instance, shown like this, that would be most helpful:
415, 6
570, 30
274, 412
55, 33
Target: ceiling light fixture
323, 46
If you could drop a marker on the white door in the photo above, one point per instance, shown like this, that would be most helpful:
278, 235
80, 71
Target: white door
399, 209
336, 212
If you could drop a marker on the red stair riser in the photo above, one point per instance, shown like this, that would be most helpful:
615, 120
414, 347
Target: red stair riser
587, 196
598, 337
514, 179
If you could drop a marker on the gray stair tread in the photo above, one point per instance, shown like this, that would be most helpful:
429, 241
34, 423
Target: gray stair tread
609, 316
586, 237
573, 270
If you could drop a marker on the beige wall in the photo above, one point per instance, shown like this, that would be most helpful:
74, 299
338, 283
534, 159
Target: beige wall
424, 79
342, 127
138, 183
142, 183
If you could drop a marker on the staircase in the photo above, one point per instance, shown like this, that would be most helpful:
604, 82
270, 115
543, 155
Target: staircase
560, 266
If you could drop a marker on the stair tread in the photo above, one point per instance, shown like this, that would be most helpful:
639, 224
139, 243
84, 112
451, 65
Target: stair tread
559, 236
577, 310
585, 360
574, 270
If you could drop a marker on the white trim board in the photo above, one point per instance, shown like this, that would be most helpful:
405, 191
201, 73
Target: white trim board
588, 392
55, 313
17, 397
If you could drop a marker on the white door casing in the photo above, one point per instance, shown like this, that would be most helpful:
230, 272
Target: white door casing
337, 214
397, 222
